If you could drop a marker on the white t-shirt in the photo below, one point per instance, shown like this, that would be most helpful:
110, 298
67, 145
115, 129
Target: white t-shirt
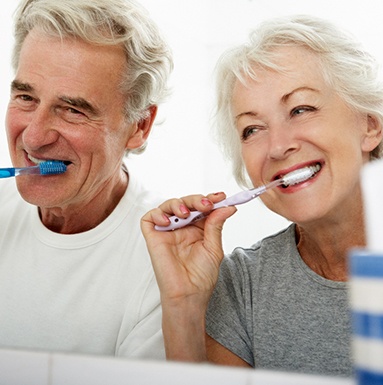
93, 292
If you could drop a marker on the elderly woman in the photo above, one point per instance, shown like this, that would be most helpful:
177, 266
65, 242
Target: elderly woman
299, 93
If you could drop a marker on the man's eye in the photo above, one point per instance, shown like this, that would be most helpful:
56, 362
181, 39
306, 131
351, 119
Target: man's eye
74, 111
25, 98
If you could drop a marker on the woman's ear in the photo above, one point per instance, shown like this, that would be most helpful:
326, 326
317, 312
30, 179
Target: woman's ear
373, 135
141, 130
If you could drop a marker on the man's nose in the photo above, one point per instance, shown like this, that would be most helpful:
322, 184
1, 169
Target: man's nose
40, 130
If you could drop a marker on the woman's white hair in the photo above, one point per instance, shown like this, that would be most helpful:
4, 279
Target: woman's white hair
347, 67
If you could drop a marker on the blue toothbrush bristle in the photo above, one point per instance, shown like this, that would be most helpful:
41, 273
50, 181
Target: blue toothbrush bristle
52, 167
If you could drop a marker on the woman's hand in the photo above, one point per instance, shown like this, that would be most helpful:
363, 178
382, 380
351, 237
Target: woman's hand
186, 263
186, 260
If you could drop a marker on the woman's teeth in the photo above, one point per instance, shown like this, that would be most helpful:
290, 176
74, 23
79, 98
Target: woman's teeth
316, 168
300, 175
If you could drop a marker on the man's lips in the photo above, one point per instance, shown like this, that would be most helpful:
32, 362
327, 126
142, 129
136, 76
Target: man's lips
40, 160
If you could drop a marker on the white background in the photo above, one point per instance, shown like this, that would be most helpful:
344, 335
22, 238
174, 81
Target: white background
181, 157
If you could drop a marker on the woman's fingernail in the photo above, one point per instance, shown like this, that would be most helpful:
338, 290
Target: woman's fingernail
184, 209
206, 202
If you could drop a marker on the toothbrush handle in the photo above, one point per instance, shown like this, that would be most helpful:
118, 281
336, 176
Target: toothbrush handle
177, 223
7, 172
236, 199
49, 167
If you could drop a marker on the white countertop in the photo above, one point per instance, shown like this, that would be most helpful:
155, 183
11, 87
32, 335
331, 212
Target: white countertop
19, 367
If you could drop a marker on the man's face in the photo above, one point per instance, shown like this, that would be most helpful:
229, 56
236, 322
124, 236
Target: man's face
66, 104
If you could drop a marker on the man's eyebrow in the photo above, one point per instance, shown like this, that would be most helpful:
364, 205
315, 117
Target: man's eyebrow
80, 103
20, 86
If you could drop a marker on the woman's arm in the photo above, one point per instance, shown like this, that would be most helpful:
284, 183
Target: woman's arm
186, 263
218, 354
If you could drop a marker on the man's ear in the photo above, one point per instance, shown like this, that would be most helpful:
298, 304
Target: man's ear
141, 130
373, 135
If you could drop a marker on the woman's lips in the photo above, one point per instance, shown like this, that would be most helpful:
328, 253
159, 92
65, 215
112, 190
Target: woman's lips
315, 164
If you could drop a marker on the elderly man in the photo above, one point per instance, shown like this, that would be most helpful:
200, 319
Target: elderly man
75, 275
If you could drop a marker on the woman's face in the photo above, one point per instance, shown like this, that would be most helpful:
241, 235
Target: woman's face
292, 119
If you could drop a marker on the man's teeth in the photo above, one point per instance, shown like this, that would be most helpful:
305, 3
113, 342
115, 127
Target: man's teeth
38, 161
35, 160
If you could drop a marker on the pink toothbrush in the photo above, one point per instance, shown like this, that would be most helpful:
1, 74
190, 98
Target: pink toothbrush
291, 178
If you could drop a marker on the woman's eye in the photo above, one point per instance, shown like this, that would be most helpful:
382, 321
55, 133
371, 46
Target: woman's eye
301, 109
248, 131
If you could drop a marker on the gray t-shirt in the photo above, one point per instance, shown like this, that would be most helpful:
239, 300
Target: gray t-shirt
273, 311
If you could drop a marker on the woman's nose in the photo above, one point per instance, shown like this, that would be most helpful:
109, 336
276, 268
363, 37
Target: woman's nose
282, 141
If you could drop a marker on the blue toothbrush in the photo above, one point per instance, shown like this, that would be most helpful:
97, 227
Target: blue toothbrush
49, 167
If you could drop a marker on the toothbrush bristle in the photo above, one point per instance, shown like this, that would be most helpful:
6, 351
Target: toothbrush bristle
298, 176
52, 167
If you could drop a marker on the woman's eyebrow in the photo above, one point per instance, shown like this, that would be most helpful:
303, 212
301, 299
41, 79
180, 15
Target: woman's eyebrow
286, 97
247, 113
284, 100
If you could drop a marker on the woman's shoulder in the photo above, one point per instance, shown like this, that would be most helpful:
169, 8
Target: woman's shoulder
271, 248
280, 239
